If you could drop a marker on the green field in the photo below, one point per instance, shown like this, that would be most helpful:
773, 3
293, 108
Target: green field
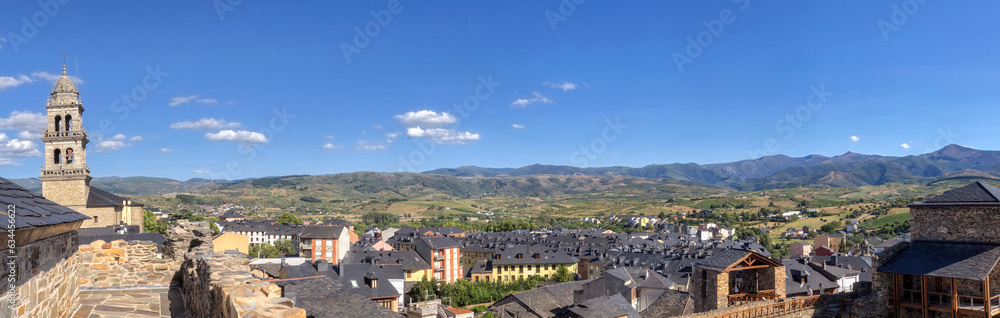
888, 219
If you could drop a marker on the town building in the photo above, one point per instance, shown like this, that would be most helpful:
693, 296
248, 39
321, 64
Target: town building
443, 255
325, 243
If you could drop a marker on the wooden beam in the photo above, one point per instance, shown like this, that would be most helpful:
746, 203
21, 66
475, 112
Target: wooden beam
954, 299
986, 296
749, 267
895, 292
923, 294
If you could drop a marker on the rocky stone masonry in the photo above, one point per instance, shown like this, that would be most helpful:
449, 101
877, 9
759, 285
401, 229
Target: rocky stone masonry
184, 237
45, 280
220, 285
722, 312
120, 264
955, 223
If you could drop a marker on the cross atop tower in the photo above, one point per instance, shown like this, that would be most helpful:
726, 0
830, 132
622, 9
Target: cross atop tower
64, 56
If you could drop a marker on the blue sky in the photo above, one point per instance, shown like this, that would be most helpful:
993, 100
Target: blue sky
259, 89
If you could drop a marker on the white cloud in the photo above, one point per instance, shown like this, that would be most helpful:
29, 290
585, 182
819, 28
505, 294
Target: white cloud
426, 118
564, 85
331, 146
29, 135
442, 136
536, 98
181, 100
10, 148
24, 121
205, 123
53, 78
117, 142
365, 145
378, 127
390, 137
517, 126
904, 146
238, 136
855, 138
110, 145
165, 150
11, 81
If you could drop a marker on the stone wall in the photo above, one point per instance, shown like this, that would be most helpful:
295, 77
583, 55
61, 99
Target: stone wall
124, 264
879, 302
955, 223
45, 278
220, 285
721, 312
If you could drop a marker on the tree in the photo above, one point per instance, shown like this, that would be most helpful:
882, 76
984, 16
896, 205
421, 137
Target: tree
151, 225
562, 274
285, 247
288, 217
185, 214
360, 228
831, 227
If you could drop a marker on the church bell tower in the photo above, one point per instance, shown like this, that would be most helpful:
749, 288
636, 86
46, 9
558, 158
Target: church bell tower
65, 176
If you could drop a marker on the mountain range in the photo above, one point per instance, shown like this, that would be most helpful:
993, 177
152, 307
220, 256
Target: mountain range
769, 172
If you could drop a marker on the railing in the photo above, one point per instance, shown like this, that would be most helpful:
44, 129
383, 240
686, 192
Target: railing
63, 134
56, 173
910, 295
939, 299
779, 308
741, 299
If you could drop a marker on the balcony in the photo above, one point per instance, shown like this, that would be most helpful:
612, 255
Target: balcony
936, 301
740, 299
82, 172
63, 135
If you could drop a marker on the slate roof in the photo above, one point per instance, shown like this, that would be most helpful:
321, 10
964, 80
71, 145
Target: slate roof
977, 193
325, 298
722, 260
671, 304
352, 277
796, 269
941, 259
322, 232
231, 214
440, 242
32, 210
549, 301
409, 259
609, 306
100, 198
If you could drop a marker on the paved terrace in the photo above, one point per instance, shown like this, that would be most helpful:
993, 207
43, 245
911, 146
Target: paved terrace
128, 303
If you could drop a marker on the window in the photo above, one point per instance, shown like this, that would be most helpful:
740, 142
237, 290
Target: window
57, 157
58, 125
95, 219
409, 274
69, 155
69, 122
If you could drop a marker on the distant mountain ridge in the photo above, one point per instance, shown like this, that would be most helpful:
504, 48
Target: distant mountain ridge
769, 172
780, 171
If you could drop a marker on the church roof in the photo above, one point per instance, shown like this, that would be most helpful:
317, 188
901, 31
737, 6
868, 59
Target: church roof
977, 193
99, 198
65, 84
32, 210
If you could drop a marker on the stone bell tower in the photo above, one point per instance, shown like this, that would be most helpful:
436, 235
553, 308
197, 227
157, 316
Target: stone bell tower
65, 176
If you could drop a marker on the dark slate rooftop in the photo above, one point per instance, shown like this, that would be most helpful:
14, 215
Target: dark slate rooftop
440, 242
322, 232
324, 297
609, 306
231, 214
722, 260
99, 198
977, 193
32, 210
949, 260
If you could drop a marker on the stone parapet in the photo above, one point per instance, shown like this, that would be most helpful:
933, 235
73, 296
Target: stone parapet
44, 278
124, 264
220, 285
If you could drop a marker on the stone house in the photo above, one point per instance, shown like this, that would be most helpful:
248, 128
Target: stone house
800, 248
733, 276
950, 267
